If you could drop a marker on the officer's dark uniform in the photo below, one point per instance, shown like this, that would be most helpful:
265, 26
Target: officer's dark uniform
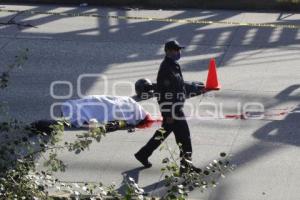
171, 90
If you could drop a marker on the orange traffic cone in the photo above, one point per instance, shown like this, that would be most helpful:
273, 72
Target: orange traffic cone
212, 82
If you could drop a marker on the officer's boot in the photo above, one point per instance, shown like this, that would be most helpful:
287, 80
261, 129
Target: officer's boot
186, 166
143, 159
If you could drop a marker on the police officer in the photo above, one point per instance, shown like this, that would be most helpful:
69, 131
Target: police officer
171, 97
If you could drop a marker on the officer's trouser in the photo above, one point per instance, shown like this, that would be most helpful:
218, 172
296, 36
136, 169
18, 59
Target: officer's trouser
182, 135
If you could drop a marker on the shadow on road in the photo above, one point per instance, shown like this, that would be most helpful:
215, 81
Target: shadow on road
200, 39
203, 39
271, 138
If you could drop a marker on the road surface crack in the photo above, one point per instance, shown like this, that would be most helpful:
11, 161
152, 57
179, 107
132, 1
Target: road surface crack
20, 25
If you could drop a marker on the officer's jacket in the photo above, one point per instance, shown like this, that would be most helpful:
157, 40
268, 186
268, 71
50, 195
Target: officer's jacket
170, 87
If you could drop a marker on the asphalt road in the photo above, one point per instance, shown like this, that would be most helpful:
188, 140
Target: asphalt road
256, 65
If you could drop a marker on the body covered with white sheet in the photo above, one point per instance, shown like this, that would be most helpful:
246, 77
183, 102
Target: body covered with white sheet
104, 108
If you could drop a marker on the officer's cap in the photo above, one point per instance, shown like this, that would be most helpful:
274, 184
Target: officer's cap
173, 45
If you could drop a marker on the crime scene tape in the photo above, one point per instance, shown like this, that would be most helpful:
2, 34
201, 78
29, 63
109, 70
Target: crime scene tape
173, 20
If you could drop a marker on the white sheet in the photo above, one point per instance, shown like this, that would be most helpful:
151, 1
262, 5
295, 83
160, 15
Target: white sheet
104, 108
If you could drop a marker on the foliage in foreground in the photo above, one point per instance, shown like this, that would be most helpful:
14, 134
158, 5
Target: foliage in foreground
22, 144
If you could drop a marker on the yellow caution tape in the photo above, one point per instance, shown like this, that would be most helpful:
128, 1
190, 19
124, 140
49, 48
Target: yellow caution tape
173, 20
